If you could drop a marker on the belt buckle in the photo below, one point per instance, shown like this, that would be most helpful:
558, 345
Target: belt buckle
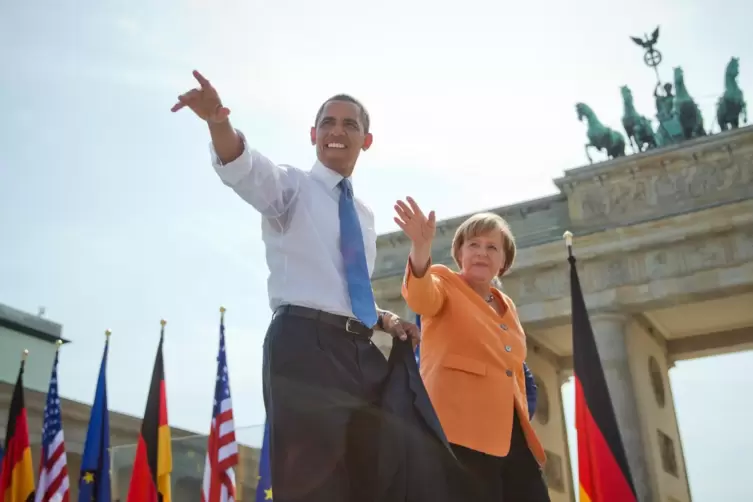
348, 328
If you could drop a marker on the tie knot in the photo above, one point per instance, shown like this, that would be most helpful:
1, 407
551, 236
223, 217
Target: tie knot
346, 186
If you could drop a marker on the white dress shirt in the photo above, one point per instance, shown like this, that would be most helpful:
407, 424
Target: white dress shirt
300, 228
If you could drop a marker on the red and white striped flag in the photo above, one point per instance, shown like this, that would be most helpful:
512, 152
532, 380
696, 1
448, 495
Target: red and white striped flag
53, 466
222, 450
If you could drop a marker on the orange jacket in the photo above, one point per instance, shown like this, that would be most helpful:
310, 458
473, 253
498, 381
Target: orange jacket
471, 361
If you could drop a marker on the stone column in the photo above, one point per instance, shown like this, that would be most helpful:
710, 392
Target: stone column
610, 331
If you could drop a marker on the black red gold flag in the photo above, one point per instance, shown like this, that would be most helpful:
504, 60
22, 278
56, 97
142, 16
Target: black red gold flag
603, 471
16, 470
150, 481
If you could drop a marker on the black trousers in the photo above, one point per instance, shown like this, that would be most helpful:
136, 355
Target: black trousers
514, 478
322, 387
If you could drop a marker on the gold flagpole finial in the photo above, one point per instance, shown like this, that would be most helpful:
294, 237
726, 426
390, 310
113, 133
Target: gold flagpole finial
162, 323
222, 313
59, 343
25, 355
108, 332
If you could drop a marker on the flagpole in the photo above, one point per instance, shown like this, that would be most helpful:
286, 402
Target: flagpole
603, 471
240, 470
24, 355
110, 451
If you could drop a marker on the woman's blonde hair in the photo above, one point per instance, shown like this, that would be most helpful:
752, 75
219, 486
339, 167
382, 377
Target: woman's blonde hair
480, 224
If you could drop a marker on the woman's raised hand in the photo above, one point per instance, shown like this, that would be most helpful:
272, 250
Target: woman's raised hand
419, 228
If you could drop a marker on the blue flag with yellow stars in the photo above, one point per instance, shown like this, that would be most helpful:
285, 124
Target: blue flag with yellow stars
94, 480
418, 346
264, 484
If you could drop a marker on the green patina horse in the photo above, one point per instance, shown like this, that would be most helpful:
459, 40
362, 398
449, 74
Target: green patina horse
686, 110
600, 136
732, 104
638, 128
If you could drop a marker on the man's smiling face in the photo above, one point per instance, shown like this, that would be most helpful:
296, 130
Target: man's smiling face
340, 134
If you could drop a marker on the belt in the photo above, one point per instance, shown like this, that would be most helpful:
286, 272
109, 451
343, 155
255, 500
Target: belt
349, 324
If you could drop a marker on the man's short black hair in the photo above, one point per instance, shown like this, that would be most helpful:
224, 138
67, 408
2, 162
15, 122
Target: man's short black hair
348, 99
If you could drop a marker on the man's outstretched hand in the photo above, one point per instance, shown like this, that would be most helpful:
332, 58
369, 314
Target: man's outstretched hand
204, 102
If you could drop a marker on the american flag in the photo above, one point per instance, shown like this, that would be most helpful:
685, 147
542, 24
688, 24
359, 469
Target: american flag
53, 466
222, 450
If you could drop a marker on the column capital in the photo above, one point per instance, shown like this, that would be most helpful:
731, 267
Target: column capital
614, 316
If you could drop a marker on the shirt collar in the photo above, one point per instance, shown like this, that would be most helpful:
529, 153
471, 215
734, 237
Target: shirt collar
326, 175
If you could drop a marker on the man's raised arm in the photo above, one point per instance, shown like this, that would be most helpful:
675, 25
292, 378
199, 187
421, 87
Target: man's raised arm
227, 143
257, 180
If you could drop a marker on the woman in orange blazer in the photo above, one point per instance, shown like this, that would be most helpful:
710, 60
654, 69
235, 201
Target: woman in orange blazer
472, 353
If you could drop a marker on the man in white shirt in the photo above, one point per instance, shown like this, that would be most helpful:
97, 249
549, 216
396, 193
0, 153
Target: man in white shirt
322, 374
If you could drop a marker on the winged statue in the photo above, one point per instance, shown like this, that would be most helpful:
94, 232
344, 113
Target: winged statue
648, 43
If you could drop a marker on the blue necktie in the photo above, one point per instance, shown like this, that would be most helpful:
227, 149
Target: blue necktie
354, 258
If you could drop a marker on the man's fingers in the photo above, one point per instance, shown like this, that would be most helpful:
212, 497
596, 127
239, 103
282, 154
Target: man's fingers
432, 218
203, 82
192, 95
177, 106
400, 331
414, 332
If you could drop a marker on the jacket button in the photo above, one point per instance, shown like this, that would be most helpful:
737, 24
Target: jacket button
508, 348
503, 326
508, 373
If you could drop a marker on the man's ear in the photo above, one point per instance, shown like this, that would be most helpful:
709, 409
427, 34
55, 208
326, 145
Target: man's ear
313, 135
367, 140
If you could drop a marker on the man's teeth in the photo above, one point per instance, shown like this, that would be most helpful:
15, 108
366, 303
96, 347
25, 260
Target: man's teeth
335, 145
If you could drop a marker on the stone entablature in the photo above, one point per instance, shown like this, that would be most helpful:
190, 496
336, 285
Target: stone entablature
661, 183
674, 224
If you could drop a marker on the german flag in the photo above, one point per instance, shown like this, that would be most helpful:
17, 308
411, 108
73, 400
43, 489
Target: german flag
16, 470
603, 472
150, 481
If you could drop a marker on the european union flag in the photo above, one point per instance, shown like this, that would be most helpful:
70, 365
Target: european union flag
418, 346
94, 479
264, 486
531, 391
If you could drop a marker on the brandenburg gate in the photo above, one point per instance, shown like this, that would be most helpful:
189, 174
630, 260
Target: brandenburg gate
664, 241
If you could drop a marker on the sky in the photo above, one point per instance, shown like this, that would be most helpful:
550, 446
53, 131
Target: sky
112, 217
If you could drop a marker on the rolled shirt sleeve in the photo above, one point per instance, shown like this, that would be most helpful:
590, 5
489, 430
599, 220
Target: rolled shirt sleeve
268, 187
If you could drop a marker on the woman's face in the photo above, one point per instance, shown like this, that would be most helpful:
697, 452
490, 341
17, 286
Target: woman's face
482, 257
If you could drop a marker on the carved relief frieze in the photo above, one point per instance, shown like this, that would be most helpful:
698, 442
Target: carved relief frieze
664, 187
742, 246
707, 254
640, 267
660, 264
